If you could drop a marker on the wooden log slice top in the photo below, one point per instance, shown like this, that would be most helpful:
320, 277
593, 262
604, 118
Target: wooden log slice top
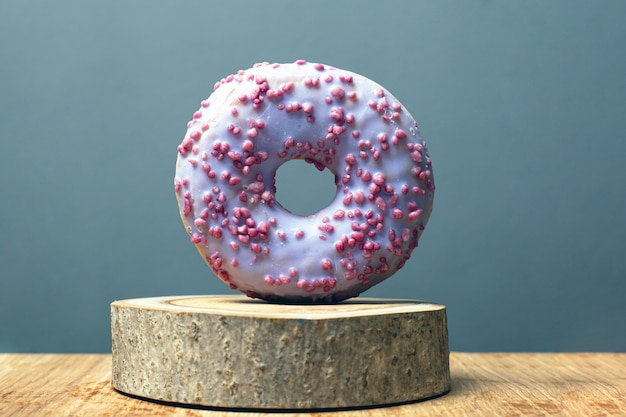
235, 352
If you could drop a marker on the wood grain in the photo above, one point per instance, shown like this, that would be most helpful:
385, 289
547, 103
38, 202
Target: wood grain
232, 351
483, 384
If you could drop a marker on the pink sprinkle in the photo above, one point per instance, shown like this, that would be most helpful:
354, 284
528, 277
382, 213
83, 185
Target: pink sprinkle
327, 265
338, 93
252, 133
397, 213
338, 130
187, 207
381, 204
358, 236
359, 197
264, 227
247, 146
416, 157
299, 234
414, 215
257, 187
337, 114
424, 175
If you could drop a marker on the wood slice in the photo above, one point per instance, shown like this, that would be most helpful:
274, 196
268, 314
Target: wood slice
236, 352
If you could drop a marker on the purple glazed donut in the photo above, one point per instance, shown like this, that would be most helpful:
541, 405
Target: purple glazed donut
262, 117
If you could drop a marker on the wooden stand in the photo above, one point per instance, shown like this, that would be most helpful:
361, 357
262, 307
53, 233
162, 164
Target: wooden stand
235, 352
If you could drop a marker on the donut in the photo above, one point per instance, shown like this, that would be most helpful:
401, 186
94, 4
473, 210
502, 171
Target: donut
260, 118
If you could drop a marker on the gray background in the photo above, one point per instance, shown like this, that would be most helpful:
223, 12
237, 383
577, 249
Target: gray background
522, 104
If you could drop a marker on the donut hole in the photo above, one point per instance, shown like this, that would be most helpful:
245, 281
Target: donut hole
302, 189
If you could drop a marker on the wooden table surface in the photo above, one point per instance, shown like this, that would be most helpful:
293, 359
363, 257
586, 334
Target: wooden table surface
483, 384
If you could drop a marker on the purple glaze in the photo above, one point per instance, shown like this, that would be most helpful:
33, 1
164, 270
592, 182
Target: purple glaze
262, 117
